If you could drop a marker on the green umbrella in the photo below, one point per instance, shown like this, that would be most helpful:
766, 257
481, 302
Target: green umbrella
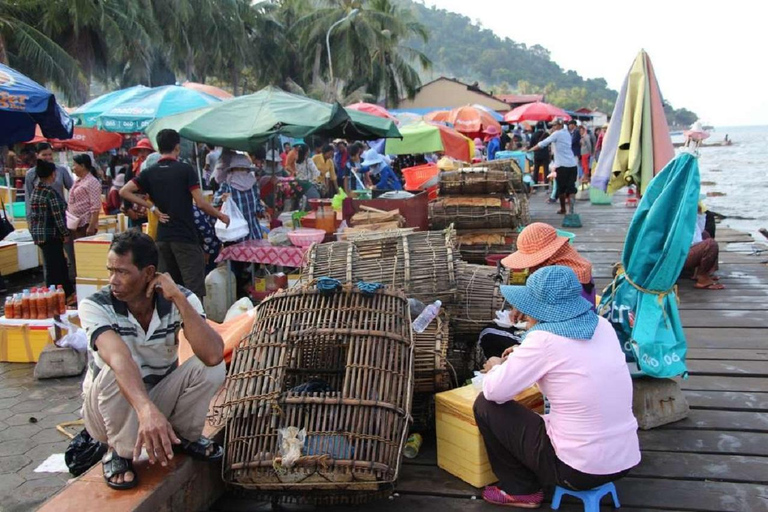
641, 302
247, 122
419, 138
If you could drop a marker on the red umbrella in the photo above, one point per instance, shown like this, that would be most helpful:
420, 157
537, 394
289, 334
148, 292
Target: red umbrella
83, 139
467, 120
537, 111
370, 108
208, 89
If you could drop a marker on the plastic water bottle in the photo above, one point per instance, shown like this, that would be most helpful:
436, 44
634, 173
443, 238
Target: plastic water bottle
425, 318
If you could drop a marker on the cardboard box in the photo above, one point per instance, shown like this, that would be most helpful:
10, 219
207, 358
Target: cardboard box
91, 255
9, 258
460, 447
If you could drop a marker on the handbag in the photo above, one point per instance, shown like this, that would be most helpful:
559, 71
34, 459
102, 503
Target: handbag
6, 228
72, 222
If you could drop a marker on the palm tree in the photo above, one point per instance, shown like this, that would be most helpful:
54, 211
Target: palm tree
368, 49
24, 47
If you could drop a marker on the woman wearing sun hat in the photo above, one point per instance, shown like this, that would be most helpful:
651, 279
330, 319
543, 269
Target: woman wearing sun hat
589, 437
538, 245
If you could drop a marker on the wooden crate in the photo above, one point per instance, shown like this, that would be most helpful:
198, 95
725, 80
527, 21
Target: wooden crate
9, 258
91, 255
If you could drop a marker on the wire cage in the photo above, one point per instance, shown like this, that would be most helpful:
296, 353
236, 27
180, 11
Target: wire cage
329, 372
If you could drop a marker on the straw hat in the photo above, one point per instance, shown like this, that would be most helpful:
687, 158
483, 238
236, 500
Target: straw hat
447, 164
551, 294
536, 244
142, 144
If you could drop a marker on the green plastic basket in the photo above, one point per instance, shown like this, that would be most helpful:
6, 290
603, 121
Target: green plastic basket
597, 196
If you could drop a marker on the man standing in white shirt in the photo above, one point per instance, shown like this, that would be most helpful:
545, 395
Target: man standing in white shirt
565, 162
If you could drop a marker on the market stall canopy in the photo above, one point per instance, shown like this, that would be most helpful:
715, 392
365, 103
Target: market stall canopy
423, 137
83, 139
86, 115
637, 144
536, 111
641, 302
211, 90
247, 122
24, 105
370, 108
137, 112
469, 120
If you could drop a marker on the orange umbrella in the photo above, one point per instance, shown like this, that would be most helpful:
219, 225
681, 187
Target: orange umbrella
468, 120
438, 116
83, 139
208, 89
370, 108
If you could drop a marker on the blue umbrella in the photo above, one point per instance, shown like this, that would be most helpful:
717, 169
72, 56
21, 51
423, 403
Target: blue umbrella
86, 115
135, 113
641, 303
24, 104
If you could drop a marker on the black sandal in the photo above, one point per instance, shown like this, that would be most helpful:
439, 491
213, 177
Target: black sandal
199, 450
113, 465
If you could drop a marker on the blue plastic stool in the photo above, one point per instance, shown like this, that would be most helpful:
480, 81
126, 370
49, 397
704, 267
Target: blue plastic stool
591, 498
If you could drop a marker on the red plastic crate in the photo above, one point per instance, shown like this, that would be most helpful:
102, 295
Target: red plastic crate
417, 176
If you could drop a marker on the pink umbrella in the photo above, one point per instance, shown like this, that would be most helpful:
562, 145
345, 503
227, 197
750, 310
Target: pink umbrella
537, 111
370, 108
208, 89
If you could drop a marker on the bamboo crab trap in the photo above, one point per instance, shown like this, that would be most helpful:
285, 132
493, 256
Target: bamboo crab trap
476, 212
422, 264
477, 181
318, 398
479, 297
430, 355
474, 246
510, 166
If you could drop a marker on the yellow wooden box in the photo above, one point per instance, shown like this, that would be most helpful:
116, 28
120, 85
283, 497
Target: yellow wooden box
460, 447
21, 341
91, 255
9, 258
87, 286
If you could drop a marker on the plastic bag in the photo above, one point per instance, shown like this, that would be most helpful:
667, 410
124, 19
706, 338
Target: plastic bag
83, 452
238, 226
338, 200
279, 237
75, 337
243, 305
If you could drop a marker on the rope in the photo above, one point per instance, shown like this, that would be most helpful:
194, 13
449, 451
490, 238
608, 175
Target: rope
639, 288
328, 285
369, 289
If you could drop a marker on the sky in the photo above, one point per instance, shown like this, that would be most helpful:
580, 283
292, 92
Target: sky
709, 57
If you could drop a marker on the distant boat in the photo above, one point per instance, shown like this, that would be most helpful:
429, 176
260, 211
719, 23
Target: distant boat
709, 128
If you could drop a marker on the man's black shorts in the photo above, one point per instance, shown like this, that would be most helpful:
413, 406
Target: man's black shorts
566, 180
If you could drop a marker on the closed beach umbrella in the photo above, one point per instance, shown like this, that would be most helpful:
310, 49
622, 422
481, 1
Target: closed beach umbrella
86, 115
83, 139
135, 113
24, 105
536, 111
370, 108
247, 122
211, 90
641, 302
637, 144
420, 138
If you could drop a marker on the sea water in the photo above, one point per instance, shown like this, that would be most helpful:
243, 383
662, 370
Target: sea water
740, 173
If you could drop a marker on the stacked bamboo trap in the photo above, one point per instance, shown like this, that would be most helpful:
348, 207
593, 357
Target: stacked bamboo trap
430, 354
486, 204
356, 351
422, 264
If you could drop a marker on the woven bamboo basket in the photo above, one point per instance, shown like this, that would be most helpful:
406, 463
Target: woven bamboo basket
475, 245
422, 264
476, 181
476, 212
511, 166
479, 297
358, 349
431, 373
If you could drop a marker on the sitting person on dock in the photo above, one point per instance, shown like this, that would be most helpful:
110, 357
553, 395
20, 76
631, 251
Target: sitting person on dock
703, 255
136, 394
589, 437
538, 245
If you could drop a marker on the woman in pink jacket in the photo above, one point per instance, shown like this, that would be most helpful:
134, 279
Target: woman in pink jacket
589, 437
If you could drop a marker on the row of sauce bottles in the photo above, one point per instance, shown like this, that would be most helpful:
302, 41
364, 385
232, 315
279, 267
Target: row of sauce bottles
37, 304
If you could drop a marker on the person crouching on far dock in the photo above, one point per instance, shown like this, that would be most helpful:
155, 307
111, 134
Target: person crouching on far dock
136, 394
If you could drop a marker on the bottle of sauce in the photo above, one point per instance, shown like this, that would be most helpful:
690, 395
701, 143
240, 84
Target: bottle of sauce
25, 304
53, 303
42, 304
33, 303
17, 306
9, 308
61, 298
